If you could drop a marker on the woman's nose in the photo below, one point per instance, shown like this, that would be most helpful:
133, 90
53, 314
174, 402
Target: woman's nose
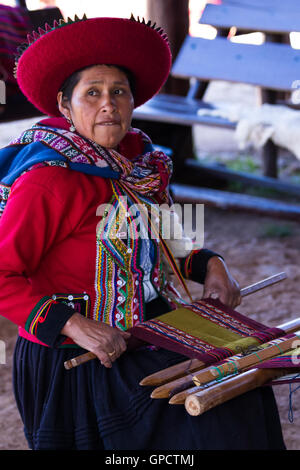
108, 103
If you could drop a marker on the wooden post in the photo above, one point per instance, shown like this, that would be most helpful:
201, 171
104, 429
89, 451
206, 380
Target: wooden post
270, 151
173, 17
21, 3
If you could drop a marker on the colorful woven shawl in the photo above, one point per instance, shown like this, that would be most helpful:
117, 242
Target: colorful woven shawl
147, 174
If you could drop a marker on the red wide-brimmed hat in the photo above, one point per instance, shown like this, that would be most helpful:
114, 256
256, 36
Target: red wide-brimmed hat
54, 53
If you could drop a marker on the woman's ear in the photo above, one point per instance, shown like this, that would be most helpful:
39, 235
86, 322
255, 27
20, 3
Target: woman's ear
63, 105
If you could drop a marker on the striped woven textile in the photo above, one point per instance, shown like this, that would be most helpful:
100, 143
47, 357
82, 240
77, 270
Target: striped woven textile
290, 359
206, 330
14, 27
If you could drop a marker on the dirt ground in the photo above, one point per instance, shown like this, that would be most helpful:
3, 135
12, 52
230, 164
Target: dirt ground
254, 247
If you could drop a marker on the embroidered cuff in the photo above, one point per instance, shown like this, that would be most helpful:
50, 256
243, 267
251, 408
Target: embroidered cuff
194, 266
47, 320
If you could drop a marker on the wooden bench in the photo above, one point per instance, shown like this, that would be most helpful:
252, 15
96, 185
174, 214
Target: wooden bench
232, 62
201, 61
273, 17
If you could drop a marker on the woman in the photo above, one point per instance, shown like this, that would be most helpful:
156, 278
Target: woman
68, 297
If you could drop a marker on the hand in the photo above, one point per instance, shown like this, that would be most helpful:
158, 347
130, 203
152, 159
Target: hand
106, 342
220, 284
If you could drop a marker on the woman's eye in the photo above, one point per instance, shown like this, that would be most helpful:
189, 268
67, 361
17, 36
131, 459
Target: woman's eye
92, 92
118, 91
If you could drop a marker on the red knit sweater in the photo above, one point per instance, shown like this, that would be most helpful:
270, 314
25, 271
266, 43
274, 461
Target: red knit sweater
48, 239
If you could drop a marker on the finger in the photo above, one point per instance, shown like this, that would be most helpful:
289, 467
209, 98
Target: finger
107, 353
123, 342
236, 296
120, 346
106, 363
214, 295
111, 342
209, 292
225, 297
116, 348
104, 358
113, 355
237, 301
125, 334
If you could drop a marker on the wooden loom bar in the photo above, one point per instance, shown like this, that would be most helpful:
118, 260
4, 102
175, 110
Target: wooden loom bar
177, 371
178, 397
76, 361
195, 365
197, 402
218, 392
212, 373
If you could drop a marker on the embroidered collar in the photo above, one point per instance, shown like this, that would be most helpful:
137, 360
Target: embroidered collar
147, 173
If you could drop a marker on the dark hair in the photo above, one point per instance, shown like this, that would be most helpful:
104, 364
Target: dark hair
70, 83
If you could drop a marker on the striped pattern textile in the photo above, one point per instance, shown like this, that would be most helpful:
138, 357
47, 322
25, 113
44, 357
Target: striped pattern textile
206, 330
39, 314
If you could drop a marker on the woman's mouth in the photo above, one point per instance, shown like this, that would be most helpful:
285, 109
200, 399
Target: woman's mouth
108, 123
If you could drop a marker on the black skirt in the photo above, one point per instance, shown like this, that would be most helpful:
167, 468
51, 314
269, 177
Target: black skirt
94, 408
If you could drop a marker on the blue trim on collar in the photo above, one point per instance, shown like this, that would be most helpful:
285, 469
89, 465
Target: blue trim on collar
16, 159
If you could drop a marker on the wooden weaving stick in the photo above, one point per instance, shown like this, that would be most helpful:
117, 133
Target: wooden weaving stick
237, 364
262, 284
247, 361
175, 376
197, 402
76, 361
229, 387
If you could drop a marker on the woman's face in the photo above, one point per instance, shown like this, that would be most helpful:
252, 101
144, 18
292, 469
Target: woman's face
101, 105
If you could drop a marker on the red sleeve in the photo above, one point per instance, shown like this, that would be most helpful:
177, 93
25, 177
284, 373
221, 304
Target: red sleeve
33, 220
